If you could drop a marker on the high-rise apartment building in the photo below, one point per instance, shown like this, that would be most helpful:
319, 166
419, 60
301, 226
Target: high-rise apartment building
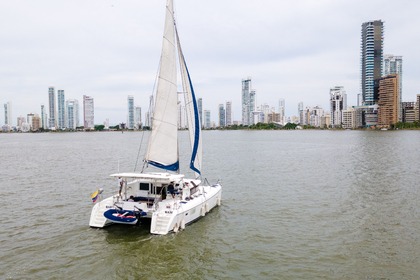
44, 119
200, 110
408, 112
229, 113
301, 113
371, 56
8, 113
282, 111
137, 117
130, 119
248, 102
388, 104
52, 122
207, 120
338, 103
72, 109
349, 118
222, 116
61, 109
393, 65
88, 112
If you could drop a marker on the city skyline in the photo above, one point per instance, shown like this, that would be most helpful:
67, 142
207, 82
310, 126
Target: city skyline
295, 62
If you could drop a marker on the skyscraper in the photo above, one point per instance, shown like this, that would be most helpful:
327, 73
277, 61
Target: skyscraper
61, 109
371, 58
222, 116
130, 119
88, 112
200, 110
207, 120
248, 102
301, 113
282, 108
338, 103
8, 113
53, 111
393, 65
43, 118
72, 109
137, 117
229, 113
388, 100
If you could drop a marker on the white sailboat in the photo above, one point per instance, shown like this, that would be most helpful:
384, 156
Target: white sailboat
167, 199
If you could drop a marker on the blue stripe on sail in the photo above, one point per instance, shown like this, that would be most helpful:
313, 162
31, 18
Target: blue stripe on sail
196, 124
171, 167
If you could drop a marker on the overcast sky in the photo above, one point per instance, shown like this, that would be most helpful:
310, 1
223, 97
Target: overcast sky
109, 49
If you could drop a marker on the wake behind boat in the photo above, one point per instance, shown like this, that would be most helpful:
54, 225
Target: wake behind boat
167, 199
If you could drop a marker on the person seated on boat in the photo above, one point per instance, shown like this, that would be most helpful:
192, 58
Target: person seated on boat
121, 184
131, 199
171, 189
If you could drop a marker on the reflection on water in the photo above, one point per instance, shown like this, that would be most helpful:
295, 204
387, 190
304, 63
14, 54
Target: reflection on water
296, 205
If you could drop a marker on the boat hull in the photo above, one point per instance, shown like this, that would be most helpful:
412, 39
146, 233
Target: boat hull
179, 215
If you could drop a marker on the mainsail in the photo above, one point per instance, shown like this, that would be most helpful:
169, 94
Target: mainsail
162, 151
163, 143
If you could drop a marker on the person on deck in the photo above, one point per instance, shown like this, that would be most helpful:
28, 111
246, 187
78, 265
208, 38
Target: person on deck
171, 189
121, 184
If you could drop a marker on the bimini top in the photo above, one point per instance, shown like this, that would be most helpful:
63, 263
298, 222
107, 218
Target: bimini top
151, 176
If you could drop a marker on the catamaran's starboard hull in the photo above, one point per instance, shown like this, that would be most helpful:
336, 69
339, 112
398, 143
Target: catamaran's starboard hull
171, 219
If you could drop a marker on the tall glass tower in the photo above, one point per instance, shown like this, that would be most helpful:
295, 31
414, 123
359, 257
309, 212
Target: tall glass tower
130, 120
248, 102
61, 109
371, 56
222, 115
52, 122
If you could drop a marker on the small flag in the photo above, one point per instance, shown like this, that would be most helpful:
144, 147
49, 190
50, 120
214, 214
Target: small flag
95, 196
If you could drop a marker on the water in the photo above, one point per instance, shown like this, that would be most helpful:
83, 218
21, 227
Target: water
296, 205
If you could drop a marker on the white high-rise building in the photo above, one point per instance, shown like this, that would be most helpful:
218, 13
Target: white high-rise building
44, 118
301, 114
8, 114
130, 119
88, 112
248, 102
200, 110
72, 108
338, 103
282, 110
229, 113
207, 120
61, 109
137, 117
52, 122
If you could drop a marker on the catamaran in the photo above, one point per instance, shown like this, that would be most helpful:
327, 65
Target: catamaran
167, 199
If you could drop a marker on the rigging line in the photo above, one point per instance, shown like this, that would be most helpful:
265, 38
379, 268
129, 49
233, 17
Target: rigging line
138, 152
150, 117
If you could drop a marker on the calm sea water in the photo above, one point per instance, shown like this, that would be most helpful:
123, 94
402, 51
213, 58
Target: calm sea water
296, 205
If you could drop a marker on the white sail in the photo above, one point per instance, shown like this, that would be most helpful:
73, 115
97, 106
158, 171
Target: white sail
191, 106
163, 143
